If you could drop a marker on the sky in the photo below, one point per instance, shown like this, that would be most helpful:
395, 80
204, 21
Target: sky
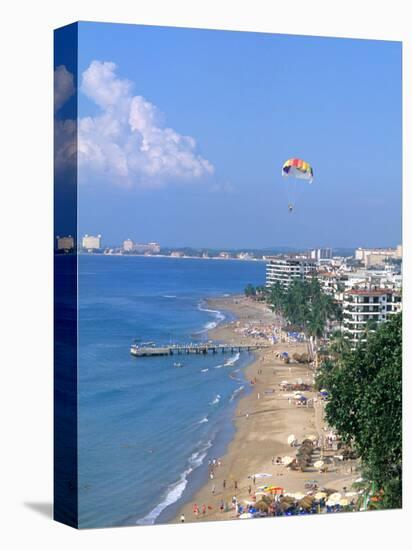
182, 134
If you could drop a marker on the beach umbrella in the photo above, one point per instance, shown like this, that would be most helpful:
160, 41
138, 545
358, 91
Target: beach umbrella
311, 437
299, 496
318, 464
246, 515
274, 489
291, 439
344, 501
320, 495
286, 460
335, 497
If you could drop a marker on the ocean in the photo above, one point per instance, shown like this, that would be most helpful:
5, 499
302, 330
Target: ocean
146, 428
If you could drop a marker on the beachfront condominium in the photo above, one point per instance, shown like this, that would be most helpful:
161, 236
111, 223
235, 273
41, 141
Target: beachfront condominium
364, 309
285, 269
90, 242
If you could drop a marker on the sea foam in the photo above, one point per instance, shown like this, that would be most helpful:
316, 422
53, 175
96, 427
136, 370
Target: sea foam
232, 360
175, 490
236, 392
218, 315
216, 400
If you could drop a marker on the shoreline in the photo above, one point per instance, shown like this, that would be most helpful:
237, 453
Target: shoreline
263, 419
117, 254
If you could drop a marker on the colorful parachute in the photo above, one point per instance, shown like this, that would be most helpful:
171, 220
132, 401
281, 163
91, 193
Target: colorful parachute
294, 170
298, 168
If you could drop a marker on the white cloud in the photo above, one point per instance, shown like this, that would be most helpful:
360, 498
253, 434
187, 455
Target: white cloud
127, 141
65, 150
63, 86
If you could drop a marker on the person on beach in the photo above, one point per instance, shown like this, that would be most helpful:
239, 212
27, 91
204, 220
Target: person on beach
182, 518
213, 489
203, 509
222, 506
249, 489
196, 510
254, 480
235, 485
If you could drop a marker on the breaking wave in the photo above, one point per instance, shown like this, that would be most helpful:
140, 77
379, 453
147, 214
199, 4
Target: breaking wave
175, 490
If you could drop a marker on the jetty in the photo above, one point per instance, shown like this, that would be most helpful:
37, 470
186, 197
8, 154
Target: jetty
192, 348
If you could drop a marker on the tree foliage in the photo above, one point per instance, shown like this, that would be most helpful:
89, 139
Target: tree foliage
365, 405
304, 305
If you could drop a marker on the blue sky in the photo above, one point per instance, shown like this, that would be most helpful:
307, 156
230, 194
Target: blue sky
249, 101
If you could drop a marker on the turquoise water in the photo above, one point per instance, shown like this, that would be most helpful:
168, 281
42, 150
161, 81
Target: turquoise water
146, 428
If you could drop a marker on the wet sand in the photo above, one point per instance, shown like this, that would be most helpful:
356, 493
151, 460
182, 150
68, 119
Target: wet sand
263, 420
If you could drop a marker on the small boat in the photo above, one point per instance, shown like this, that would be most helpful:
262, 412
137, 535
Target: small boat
178, 365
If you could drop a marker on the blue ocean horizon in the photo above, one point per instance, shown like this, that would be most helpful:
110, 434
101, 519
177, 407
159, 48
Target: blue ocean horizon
146, 428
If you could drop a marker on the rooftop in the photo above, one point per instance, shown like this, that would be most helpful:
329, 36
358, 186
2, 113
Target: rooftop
371, 292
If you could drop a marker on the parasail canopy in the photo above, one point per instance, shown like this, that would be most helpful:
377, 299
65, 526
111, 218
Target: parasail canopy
298, 168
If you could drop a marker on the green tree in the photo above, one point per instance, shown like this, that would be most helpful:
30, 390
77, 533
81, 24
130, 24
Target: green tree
250, 291
365, 406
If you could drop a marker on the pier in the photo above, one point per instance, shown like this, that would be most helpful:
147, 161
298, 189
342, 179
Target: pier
192, 348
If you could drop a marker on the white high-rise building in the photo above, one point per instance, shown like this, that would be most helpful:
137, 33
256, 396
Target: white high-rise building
90, 242
321, 254
284, 270
128, 245
363, 307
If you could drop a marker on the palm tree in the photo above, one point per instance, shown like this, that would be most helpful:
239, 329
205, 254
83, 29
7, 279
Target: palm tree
276, 297
339, 347
250, 290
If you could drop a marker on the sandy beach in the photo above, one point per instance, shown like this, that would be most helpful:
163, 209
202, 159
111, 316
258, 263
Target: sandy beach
264, 419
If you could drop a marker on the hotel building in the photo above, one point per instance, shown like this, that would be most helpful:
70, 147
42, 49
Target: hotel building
363, 307
377, 256
321, 254
128, 245
284, 270
89, 242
